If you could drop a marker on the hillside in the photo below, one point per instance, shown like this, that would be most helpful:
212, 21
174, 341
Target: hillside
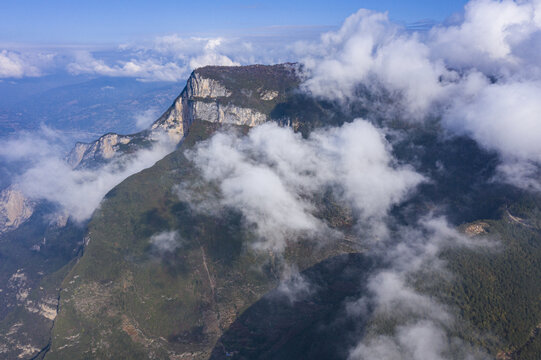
171, 268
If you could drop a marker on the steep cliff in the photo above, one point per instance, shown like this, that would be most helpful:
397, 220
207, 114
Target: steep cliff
15, 208
244, 95
205, 293
171, 305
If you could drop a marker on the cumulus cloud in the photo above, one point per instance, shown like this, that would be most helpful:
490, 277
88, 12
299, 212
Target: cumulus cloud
78, 192
145, 69
172, 57
491, 36
503, 117
226, 51
480, 75
419, 341
272, 175
369, 49
195, 51
14, 64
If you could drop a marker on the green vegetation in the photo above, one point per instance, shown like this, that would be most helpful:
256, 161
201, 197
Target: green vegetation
125, 298
34, 260
498, 290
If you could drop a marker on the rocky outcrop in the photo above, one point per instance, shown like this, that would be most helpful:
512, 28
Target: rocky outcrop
176, 120
268, 95
15, 208
200, 87
227, 114
203, 98
209, 100
104, 148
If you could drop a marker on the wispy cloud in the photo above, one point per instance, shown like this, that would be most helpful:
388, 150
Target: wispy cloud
16, 64
144, 119
149, 69
172, 57
273, 174
166, 241
422, 326
163, 58
78, 192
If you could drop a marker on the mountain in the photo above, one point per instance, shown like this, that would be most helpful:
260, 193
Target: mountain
32, 238
166, 269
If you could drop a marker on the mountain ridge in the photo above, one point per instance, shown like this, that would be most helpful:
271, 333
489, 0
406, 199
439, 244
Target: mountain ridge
206, 291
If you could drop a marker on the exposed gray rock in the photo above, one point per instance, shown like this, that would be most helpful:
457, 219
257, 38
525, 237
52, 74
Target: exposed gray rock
269, 95
102, 149
77, 154
199, 87
15, 208
227, 114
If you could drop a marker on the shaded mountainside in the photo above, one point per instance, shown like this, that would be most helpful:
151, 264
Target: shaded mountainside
316, 326
203, 99
125, 299
172, 304
34, 258
212, 295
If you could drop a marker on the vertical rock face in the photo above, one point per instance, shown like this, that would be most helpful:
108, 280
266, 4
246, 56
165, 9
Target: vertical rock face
176, 120
203, 98
76, 155
227, 114
15, 208
212, 94
210, 100
102, 149
200, 87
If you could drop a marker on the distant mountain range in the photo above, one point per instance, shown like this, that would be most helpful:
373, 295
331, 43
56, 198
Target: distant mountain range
82, 108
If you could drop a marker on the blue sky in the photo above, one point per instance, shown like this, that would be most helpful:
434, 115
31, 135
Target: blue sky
99, 21
165, 40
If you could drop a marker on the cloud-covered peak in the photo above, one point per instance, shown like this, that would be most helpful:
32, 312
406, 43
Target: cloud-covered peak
481, 74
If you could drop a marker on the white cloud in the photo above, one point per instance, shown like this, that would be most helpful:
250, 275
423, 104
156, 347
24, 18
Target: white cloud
294, 285
149, 69
420, 341
173, 57
166, 241
481, 75
17, 65
422, 324
502, 116
272, 175
168, 58
488, 35
78, 192
144, 119
371, 50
